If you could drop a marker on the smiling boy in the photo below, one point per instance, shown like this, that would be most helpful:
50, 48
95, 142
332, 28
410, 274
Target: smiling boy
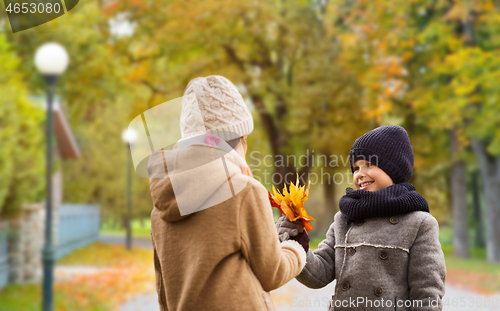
383, 246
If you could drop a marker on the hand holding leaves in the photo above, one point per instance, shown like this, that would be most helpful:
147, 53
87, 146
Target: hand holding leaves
287, 229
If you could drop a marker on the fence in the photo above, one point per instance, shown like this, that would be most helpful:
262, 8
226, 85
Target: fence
78, 227
4, 257
20, 252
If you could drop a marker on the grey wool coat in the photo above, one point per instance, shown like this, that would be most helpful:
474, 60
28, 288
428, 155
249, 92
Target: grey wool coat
386, 263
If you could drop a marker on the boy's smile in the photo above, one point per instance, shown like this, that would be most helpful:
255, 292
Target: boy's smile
370, 177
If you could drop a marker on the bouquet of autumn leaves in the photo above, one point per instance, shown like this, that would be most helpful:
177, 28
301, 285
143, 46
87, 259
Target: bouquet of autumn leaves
291, 204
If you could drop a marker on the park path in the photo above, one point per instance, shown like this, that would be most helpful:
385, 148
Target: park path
296, 297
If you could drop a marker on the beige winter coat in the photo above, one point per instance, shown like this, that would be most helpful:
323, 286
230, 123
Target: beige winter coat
386, 263
225, 256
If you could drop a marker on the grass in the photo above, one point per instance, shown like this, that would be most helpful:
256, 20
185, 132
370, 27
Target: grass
123, 274
475, 273
28, 297
140, 228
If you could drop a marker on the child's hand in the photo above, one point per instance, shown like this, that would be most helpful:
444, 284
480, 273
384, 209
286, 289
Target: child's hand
287, 229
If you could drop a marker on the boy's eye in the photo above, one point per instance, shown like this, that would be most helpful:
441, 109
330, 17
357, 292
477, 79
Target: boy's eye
356, 168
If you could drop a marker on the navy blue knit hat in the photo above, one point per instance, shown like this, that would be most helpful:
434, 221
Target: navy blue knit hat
389, 148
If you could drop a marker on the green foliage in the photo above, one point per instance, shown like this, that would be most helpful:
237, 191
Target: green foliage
100, 174
99, 103
140, 228
21, 133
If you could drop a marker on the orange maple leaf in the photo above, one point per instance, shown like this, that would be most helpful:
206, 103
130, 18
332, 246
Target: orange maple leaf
291, 204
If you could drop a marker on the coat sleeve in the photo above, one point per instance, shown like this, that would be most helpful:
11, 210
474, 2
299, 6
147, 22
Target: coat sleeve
426, 267
273, 263
319, 270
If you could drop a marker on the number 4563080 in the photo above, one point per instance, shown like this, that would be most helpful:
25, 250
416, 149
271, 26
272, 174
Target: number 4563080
33, 8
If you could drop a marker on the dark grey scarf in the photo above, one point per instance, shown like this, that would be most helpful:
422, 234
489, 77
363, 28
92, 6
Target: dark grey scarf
394, 200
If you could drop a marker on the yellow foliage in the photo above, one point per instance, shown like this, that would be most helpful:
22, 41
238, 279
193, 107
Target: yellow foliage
459, 11
291, 204
407, 56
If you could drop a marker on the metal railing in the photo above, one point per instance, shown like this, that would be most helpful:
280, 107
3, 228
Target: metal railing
78, 226
4, 258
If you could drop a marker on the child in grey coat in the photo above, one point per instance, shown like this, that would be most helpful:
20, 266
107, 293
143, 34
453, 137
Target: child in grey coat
383, 246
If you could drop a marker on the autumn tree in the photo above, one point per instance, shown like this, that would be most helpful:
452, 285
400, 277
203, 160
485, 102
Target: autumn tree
96, 96
283, 55
465, 75
435, 60
21, 134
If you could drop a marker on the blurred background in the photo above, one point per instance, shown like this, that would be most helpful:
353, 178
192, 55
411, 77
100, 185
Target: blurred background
316, 75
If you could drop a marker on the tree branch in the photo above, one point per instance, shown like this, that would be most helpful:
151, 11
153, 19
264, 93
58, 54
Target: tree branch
231, 53
133, 60
153, 88
267, 121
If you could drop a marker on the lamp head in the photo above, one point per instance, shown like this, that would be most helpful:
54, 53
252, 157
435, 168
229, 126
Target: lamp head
51, 59
129, 136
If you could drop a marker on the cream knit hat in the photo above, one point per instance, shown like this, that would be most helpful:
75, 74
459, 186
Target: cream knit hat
214, 105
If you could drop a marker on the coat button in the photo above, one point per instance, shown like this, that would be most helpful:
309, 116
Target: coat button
379, 291
359, 222
383, 255
345, 286
393, 220
351, 251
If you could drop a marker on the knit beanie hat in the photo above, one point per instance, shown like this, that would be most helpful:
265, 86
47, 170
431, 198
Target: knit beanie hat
389, 148
213, 105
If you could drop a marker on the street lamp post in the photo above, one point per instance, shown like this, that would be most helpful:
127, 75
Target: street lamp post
51, 60
129, 136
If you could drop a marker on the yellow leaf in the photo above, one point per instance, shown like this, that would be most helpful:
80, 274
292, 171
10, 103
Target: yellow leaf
291, 204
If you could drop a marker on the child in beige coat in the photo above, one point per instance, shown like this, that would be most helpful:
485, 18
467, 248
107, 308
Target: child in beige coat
215, 244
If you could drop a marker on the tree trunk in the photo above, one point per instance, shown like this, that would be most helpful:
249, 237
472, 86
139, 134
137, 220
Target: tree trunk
459, 202
124, 222
479, 240
490, 172
331, 207
278, 140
